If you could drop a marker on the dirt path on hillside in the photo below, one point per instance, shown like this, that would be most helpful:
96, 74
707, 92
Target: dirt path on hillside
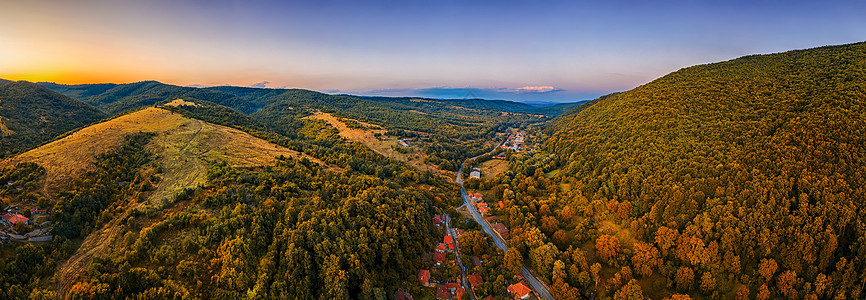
384, 147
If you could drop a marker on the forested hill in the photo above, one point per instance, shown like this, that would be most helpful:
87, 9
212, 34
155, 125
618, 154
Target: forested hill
731, 168
31, 114
120, 98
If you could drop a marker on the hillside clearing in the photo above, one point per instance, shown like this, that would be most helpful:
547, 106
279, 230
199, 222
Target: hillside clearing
384, 147
493, 167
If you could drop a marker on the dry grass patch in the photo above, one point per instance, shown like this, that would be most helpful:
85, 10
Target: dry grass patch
385, 148
180, 102
493, 167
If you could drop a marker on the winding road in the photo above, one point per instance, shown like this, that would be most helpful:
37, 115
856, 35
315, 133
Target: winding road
538, 286
450, 231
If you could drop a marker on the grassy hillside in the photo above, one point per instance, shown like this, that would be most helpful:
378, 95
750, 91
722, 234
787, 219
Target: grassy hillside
31, 115
184, 146
153, 203
740, 178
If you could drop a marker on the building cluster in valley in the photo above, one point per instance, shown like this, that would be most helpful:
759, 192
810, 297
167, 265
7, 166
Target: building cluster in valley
449, 288
485, 210
444, 256
514, 142
16, 226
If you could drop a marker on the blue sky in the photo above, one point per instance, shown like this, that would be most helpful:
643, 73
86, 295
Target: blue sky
516, 50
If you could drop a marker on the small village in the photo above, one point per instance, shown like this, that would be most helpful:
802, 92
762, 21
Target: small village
20, 222
514, 142
447, 270
16, 226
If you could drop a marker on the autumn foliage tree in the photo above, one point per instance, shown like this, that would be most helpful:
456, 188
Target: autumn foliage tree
767, 268
645, 258
606, 247
684, 278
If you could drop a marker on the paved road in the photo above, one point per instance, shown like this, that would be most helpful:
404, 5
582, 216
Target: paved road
536, 284
450, 231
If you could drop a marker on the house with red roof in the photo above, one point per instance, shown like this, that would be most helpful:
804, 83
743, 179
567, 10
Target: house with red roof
501, 205
438, 258
475, 280
447, 290
441, 247
501, 229
458, 293
424, 277
442, 293
13, 219
438, 220
519, 290
449, 241
478, 196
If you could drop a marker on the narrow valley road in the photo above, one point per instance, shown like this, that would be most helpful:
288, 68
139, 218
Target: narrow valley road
537, 285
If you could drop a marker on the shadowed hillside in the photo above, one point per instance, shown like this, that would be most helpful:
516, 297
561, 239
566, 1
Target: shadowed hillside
31, 115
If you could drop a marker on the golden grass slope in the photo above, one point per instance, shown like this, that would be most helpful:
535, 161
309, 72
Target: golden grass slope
183, 145
385, 148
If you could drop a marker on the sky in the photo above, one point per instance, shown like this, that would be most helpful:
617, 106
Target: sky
538, 50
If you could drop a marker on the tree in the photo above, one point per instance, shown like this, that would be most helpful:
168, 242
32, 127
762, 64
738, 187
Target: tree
678, 297
767, 268
543, 258
513, 261
743, 293
567, 213
645, 258
606, 247
549, 224
473, 243
708, 283
666, 238
336, 279
763, 293
560, 238
594, 271
786, 282
631, 291
684, 278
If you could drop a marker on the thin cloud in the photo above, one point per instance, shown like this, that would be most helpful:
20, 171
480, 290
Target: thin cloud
537, 89
260, 85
